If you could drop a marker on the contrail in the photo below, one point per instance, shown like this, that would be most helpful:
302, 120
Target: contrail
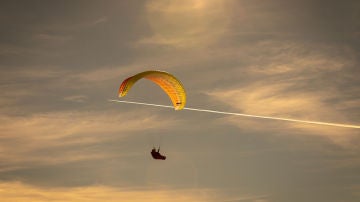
246, 115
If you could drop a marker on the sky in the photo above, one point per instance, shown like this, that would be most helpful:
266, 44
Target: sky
62, 140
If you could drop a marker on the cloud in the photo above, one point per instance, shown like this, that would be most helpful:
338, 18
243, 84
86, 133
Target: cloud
33, 89
183, 24
294, 81
279, 100
28, 141
102, 74
53, 38
76, 98
100, 20
19, 192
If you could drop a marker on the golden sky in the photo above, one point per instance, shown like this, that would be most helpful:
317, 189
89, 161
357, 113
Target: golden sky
61, 140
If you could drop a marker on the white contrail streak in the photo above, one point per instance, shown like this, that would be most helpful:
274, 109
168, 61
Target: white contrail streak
246, 115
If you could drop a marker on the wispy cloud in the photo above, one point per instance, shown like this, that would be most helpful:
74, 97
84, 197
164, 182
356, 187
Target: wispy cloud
106, 73
76, 98
20, 192
189, 23
277, 100
100, 20
295, 59
53, 38
290, 84
23, 138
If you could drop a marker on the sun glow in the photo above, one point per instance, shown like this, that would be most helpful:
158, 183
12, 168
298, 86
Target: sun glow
184, 23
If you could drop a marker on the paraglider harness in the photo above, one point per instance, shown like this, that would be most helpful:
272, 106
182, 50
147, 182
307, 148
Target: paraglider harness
156, 154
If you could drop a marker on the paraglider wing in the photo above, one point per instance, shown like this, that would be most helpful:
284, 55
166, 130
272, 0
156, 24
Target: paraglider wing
169, 83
